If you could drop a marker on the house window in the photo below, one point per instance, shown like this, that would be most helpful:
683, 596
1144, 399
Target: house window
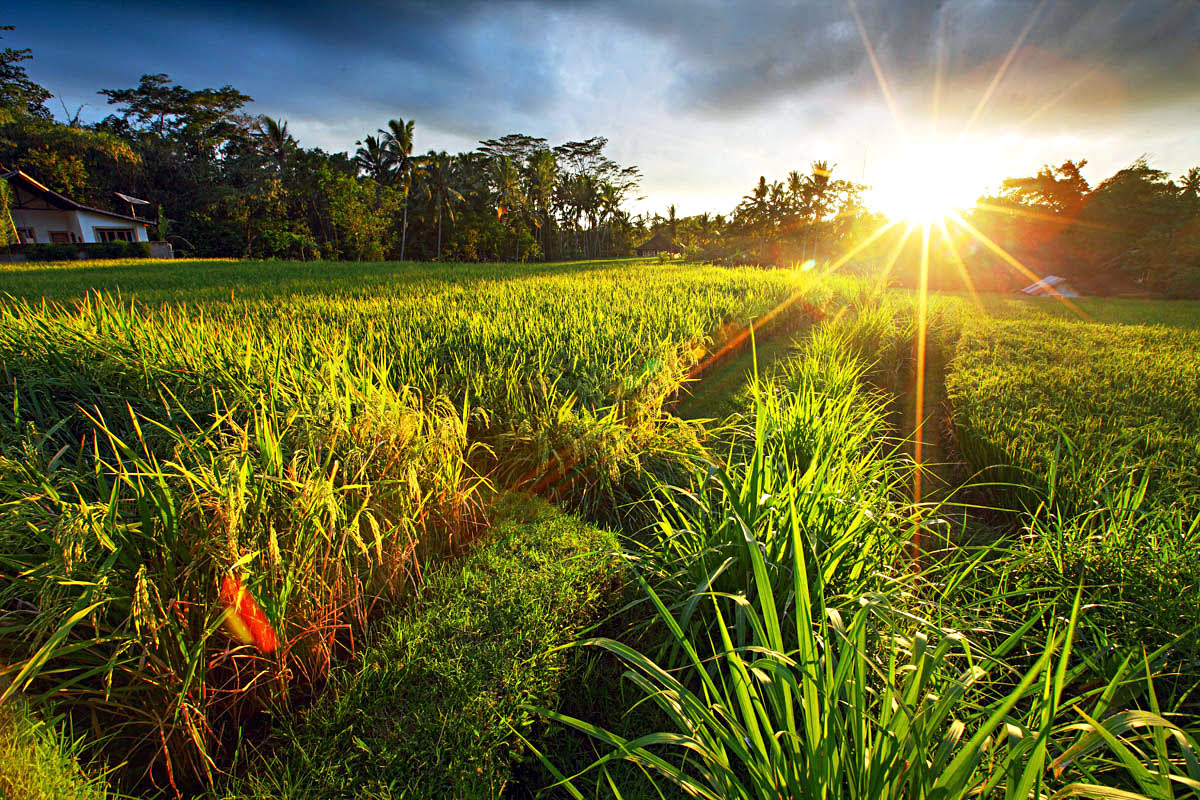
116, 235
26, 236
61, 237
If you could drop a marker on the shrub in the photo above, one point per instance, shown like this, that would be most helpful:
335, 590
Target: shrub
72, 252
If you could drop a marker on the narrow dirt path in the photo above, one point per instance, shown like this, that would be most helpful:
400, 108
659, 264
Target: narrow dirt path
714, 395
924, 429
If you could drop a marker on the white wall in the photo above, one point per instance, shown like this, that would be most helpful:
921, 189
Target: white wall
89, 222
82, 223
43, 222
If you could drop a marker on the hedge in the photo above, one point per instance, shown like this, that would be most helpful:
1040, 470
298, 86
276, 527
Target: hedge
74, 252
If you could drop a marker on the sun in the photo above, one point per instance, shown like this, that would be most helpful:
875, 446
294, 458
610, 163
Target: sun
926, 184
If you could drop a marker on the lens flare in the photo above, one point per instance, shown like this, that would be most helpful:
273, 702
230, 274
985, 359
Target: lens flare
244, 618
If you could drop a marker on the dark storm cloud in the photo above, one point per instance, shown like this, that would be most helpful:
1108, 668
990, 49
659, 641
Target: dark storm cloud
477, 68
737, 57
321, 60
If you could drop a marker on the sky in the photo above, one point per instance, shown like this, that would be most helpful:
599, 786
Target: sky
703, 95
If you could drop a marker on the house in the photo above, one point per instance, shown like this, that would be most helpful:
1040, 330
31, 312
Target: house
659, 245
43, 216
1051, 286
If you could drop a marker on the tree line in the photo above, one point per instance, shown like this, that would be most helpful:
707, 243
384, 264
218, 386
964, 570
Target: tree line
808, 216
224, 182
1138, 227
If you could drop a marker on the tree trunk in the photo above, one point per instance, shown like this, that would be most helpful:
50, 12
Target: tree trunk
404, 227
439, 255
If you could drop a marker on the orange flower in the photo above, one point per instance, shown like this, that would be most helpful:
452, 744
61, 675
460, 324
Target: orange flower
244, 618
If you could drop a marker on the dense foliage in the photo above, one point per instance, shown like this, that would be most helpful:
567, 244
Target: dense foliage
1136, 227
1136, 233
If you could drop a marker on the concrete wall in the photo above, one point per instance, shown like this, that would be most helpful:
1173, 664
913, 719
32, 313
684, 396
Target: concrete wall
89, 222
81, 223
162, 250
43, 222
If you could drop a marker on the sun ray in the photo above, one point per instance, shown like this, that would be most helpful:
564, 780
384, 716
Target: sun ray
858, 248
894, 256
939, 69
734, 342
1047, 217
884, 86
959, 264
1058, 98
1075, 84
919, 390
1003, 68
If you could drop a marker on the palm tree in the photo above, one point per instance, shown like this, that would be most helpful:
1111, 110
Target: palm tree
438, 189
608, 200
819, 184
1189, 185
374, 160
573, 200
398, 141
819, 180
507, 180
542, 176
273, 137
756, 207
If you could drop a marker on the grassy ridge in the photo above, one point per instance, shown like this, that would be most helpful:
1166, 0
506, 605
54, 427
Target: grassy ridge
429, 709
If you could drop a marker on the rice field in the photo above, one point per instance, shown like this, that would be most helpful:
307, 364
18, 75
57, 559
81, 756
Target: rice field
1088, 418
266, 532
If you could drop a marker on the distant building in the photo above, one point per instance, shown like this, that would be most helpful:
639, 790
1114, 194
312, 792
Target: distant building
43, 216
660, 244
1051, 286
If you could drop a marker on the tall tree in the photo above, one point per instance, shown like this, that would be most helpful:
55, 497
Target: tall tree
199, 122
274, 141
1058, 189
373, 160
439, 189
509, 196
819, 181
398, 141
542, 178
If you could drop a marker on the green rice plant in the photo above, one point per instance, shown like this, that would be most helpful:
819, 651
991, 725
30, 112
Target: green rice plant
1089, 427
1072, 406
807, 653
797, 689
112, 604
39, 761
818, 441
427, 709
322, 433
819, 714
